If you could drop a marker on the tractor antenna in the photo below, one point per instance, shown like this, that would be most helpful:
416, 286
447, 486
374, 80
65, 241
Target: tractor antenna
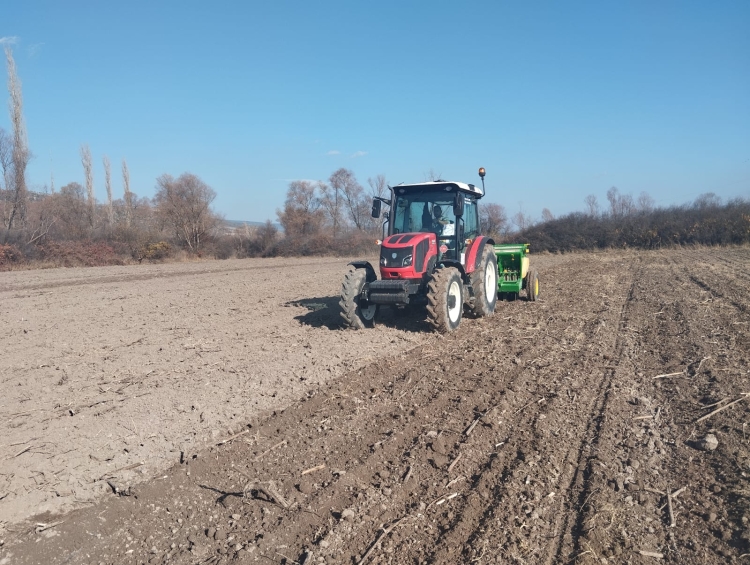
481, 174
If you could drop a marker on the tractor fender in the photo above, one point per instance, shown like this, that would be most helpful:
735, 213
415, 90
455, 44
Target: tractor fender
360, 264
474, 257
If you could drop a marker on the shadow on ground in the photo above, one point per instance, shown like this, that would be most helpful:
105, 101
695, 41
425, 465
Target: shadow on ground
325, 312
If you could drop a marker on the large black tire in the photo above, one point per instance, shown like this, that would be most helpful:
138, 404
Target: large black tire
484, 283
445, 303
532, 286
356, 313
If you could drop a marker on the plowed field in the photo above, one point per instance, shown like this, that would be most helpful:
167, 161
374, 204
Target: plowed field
576, 429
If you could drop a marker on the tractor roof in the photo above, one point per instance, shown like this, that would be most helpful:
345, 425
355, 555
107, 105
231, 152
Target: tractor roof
443, 184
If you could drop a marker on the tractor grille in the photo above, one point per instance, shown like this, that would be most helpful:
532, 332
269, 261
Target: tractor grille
395, 257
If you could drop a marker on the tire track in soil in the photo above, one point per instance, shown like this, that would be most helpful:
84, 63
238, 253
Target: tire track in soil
580, 487
665, 340
733, 272
472, 530
657, 451
733, 265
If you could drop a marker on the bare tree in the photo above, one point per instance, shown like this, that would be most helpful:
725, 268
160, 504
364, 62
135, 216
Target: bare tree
20, 151
645, 202
547, 216
40, 219
431, 175
185, 205
71, 210
521, 219
266, 236
108, 185
378, 186
302, 215
6, 159
626, 205
707, 200
127, 195
6, 168
355, 200
593, 205
330, 200
493, 220
89, 174
613, 195
621, 205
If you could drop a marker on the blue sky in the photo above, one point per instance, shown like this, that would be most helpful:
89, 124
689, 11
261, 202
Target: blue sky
557, 100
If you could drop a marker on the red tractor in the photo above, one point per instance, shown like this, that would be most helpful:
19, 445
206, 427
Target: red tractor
433, 256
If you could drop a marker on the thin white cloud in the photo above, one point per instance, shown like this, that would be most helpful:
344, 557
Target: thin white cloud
333, 152
8, 40
359, 154
33, 50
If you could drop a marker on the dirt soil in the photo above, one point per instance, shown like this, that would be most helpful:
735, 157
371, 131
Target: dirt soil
609, 422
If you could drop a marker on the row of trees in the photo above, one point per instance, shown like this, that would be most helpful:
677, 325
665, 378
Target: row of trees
706, 221
37, 224
330, 216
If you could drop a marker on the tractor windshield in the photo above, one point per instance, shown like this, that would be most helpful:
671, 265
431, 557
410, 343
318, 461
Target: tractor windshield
425, 211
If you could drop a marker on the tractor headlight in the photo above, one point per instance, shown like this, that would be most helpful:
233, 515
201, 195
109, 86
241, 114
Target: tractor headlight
383, 262
407, 261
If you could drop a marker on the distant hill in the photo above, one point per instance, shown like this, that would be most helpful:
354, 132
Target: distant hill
234, 224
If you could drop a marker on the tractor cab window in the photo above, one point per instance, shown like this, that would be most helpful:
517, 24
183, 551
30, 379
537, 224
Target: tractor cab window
471, 223
425, 211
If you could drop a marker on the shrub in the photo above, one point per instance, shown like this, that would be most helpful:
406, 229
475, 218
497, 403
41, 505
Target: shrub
79, 254
156, 251
9, 255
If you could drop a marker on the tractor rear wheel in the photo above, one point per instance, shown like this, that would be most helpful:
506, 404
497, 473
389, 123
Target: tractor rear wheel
357, 313
532, 286
445, 301
484, 283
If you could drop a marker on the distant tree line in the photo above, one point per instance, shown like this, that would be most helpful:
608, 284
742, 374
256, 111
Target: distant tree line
69, 227
639, 224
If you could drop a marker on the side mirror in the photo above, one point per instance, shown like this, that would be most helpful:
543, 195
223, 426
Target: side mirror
376, 204
458, 205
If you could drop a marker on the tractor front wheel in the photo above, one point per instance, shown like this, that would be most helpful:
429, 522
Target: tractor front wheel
357, 313
532, 286
484, 283
445, 301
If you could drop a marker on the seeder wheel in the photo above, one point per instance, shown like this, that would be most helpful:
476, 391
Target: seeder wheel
532, 286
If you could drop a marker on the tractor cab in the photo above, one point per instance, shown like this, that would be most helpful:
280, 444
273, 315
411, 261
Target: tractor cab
439, 218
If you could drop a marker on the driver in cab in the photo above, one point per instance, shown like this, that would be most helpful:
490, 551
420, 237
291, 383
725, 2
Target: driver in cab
440, 224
